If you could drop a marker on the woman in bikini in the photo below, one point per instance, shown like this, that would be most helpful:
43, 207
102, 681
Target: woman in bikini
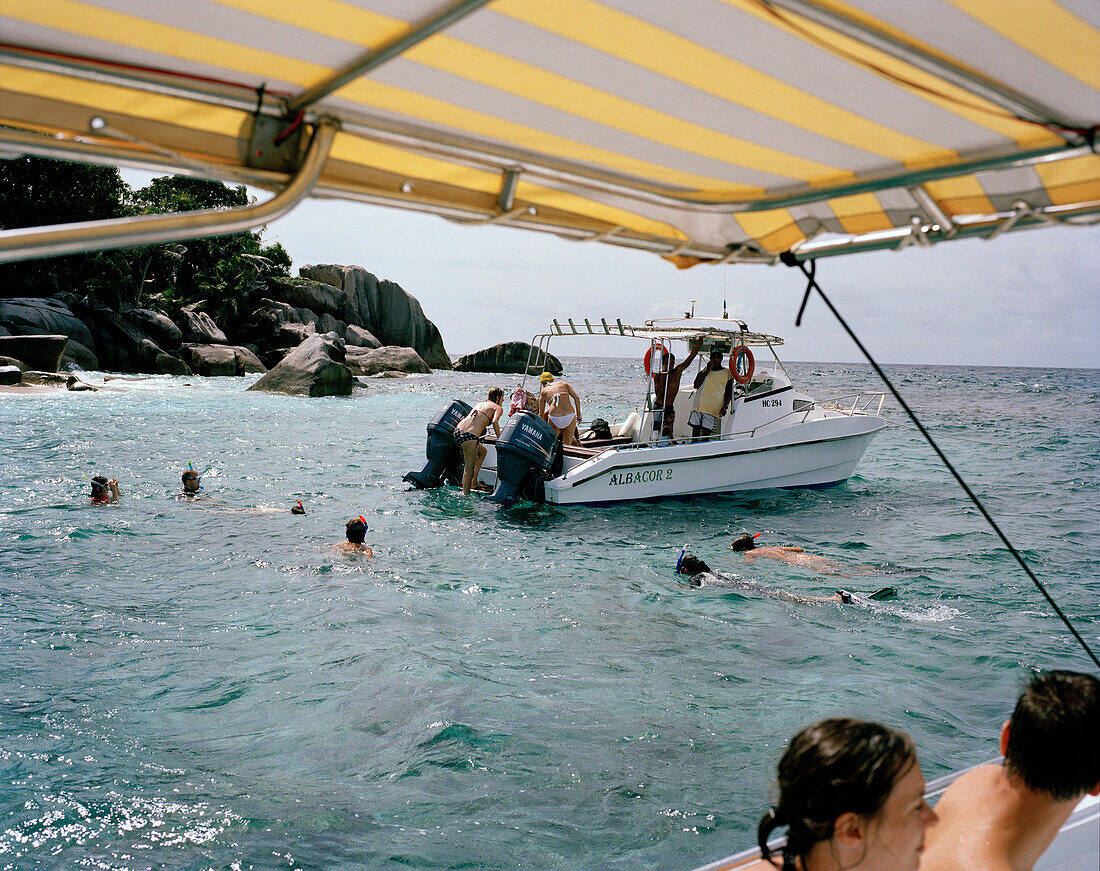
468, 435
560, 407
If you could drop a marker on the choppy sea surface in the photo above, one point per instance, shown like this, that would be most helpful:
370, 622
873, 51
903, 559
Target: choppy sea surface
191, 684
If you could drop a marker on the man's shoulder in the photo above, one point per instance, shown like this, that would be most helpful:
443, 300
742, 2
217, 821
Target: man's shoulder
977, 780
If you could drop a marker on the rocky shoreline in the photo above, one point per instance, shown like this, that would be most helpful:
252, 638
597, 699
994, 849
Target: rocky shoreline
378, 327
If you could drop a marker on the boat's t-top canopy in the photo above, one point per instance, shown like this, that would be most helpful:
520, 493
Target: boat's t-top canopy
715, 332
738, 131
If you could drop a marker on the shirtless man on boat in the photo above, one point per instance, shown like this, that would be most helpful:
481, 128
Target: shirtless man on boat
560, 407
666, 385
468, 435
1003, 818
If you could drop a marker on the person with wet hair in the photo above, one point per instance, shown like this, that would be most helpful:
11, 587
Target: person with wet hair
192, 483
104, 491
794, 556
699, 574
851, 796
1004, 818
355, 531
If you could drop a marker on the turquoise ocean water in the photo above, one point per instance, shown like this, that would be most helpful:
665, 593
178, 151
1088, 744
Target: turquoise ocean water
206, 684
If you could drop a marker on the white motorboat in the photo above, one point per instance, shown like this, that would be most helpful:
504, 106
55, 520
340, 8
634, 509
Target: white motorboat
773, 435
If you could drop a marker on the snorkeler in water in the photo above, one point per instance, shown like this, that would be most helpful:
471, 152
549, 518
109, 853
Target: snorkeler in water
356, 531
699, 574
104, 491
298, 508
794, 556
192, 483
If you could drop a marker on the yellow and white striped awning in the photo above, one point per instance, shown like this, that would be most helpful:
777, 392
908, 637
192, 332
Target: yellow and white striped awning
703, 130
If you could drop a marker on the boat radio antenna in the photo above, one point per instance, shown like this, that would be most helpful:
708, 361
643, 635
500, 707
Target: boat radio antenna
811, 286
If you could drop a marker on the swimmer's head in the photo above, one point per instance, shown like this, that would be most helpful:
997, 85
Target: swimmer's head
545, 378
356, 529
692, 565
99, 486
496, 395
298, 508
191, 481
745, 542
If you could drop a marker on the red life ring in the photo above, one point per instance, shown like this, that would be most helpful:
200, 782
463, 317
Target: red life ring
645, 359
742, 351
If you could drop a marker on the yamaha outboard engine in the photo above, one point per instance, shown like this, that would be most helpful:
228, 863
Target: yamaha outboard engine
443, 454
527, 452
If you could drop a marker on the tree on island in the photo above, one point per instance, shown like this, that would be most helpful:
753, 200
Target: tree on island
35, 191
224, 273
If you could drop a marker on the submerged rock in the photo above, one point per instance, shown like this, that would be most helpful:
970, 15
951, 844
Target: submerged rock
509, 357
75, 384
315, 368
47, 379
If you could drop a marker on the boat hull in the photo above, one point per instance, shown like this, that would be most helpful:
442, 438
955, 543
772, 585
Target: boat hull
826, 452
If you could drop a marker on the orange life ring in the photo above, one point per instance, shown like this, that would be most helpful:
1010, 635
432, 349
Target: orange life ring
750, 364
645, 359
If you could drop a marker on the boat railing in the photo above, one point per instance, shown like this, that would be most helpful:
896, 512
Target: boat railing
861, 403
869, 404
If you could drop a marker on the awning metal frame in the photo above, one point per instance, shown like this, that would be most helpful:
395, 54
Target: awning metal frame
510, 163
16, 142
34, 242
376, 57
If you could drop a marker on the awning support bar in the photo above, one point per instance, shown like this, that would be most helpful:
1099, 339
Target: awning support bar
374, 59
34, 242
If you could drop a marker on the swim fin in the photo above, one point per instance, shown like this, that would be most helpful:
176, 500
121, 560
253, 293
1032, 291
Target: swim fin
884, 593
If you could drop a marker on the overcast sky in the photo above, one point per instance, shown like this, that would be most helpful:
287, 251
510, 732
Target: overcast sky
1028, 298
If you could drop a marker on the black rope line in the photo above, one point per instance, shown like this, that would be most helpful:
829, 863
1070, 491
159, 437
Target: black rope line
812, 285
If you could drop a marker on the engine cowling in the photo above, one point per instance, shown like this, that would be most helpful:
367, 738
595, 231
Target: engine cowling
442, 452
527, 452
